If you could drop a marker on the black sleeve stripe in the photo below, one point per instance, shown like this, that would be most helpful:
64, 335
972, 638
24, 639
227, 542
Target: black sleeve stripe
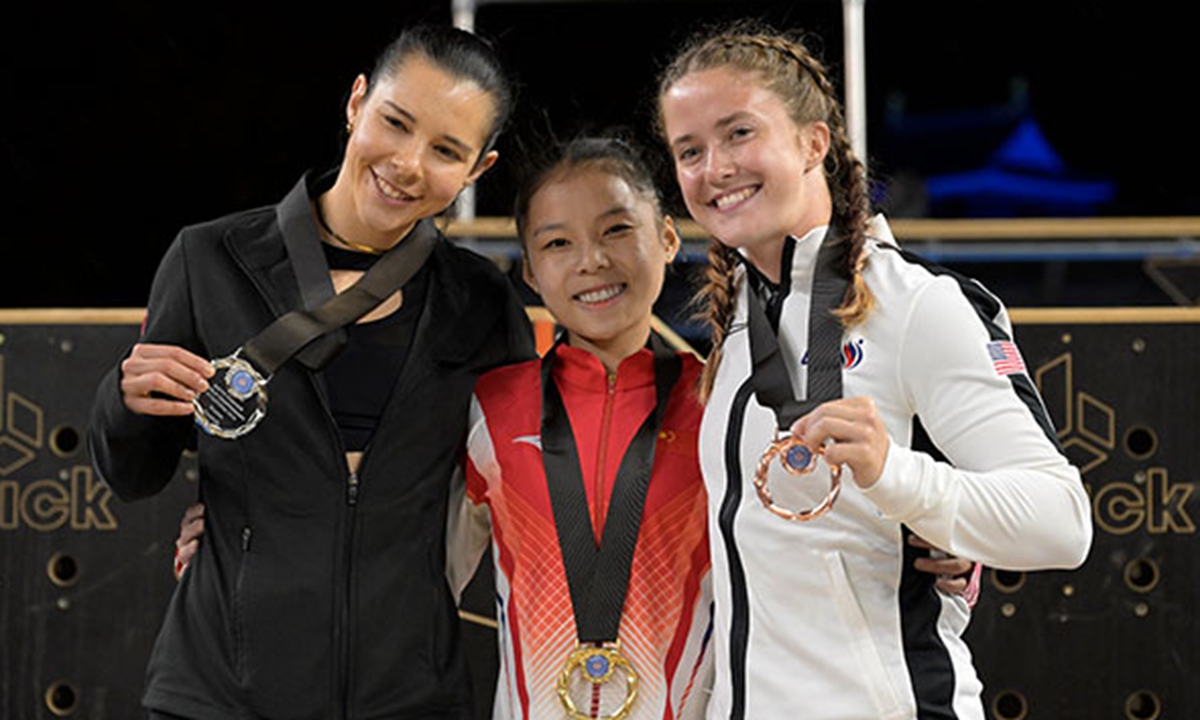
987, 307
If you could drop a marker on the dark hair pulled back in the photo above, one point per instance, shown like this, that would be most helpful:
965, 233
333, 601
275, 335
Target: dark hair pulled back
611, 154
462, 54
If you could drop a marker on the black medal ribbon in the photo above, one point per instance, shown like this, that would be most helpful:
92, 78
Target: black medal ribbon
772, 384
303, 242
236, 400
598, 577
292, 332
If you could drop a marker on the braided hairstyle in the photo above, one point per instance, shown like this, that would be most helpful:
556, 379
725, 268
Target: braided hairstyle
784, 66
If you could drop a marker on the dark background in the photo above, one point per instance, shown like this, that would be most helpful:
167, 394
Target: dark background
125, 120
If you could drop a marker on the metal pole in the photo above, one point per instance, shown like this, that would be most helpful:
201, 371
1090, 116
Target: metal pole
464, 14
856, 76
464, 19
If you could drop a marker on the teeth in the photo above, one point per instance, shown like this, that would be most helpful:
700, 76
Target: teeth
388, 190
726, 200
606, 293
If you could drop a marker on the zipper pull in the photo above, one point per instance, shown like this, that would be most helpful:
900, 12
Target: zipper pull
246, 532
612, 383
352, 489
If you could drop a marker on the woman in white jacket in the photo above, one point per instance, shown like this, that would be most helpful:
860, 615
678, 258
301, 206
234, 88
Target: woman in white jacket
829, 336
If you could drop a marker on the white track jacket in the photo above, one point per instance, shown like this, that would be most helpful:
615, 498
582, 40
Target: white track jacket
826, 620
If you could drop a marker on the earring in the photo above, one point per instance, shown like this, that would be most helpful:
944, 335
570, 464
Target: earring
349, 128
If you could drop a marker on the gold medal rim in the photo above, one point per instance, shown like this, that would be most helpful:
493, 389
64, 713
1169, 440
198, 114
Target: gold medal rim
780, 447
578, 659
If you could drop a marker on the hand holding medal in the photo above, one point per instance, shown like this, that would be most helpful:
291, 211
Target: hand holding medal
236, 400
163, 380
844, 432
798, 459
849, 432
813, 435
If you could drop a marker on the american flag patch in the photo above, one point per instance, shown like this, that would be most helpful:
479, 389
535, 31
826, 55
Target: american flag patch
1005, 357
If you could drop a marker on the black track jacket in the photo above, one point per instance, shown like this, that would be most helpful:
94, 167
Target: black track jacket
309, 600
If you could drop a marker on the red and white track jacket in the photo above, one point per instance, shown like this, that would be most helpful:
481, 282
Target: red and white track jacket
668, 610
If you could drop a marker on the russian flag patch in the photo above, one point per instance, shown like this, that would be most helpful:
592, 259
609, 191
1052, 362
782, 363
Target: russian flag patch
1005, 357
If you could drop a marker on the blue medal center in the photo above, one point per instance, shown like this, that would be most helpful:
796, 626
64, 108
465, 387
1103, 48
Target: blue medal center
242, 382
597, 666
799, 457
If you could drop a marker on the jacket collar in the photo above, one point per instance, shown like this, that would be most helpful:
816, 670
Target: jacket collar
295, 216
268, 255
288, 267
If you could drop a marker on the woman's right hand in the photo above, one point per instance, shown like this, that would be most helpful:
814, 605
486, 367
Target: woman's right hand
191, 527
163, 379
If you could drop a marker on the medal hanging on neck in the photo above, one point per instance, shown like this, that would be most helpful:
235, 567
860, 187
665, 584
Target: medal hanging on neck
598, 576
236, 399
773, 386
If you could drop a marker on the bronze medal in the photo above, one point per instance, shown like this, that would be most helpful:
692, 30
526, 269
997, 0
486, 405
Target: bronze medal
798, 459
772, 383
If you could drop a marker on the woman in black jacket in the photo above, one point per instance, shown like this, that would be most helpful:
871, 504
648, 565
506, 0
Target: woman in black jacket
320, 590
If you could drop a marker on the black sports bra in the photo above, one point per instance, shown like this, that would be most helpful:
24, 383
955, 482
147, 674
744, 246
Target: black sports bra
360, 379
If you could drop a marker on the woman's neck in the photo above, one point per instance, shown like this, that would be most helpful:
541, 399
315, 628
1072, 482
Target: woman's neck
813, 209
341, 227
611, 352
767, 258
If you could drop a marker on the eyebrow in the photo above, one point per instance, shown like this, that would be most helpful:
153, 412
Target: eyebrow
611, 212
466, 148
721, 123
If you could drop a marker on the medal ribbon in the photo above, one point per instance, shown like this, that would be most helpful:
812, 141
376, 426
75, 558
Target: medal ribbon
598, 577
292, 332
772, 384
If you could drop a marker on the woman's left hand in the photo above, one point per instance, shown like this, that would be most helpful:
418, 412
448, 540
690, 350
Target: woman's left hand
955, 575
851, 433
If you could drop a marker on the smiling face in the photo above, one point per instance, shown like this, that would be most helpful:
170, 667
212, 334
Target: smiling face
414, 145
749, 175
596, 251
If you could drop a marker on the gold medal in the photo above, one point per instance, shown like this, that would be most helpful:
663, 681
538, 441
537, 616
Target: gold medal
798, 459
598, 665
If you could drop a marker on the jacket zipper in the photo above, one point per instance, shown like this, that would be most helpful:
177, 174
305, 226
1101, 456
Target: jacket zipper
341, 633
240, 605
598, 515
352, 484
342, 671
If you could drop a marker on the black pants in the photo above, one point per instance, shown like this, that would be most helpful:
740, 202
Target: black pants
160, 715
